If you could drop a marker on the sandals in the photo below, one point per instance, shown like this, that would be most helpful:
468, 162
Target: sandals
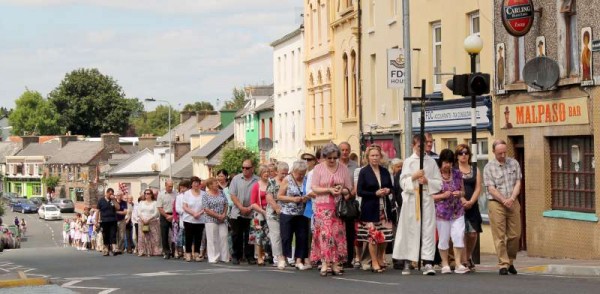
377, 270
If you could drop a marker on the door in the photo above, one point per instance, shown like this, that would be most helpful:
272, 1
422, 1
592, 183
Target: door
520, 157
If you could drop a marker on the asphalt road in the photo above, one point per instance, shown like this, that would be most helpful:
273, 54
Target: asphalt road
90, 272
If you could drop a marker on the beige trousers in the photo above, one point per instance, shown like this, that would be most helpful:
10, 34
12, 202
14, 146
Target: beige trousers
506, 231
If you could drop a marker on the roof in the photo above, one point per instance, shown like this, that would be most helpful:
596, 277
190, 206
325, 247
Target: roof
130, 149
266, 106
212, 145
8, 149
263, 90
117, 158
77, 152
139, 163
190, 127
37, 149
215, 159
182, 168
289, 36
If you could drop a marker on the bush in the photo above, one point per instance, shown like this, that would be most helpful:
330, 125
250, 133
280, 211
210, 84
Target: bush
232, 159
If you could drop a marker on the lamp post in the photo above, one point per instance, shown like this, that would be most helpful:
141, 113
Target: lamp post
473, 46
170, 135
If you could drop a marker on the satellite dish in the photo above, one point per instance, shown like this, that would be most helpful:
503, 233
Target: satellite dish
265, 144
541, 73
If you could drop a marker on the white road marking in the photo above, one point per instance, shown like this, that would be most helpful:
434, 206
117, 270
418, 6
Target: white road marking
156, 274
69, 285
368, 282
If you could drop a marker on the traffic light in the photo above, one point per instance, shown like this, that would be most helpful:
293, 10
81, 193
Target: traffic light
469, 84
479, 84
490, 114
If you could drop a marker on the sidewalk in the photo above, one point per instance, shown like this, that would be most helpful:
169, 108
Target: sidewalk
546, 266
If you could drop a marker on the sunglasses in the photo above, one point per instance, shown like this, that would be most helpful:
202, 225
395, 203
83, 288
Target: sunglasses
148, 193
463, 153
332, 158
246, 167
308, 159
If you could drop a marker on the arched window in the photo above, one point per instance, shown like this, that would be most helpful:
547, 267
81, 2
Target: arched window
346, 84
354, 88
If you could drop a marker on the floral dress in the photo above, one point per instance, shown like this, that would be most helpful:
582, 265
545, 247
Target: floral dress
259, 231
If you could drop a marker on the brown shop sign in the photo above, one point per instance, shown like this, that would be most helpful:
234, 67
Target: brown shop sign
547, 113
517, 16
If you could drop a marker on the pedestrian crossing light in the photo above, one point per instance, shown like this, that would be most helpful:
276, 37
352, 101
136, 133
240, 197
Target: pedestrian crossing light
474, 84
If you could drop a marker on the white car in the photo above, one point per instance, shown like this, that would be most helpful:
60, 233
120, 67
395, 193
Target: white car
49, 212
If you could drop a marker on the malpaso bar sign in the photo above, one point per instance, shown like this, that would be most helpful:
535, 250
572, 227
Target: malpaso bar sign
517, 16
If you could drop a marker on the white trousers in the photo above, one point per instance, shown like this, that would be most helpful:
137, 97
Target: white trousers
454, 229
216, 242
275, 237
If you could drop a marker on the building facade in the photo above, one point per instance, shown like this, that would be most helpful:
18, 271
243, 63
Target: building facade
289, 101
382, 108
553, 132
320, 118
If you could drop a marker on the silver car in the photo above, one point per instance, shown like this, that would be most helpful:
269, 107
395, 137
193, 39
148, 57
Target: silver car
65, 205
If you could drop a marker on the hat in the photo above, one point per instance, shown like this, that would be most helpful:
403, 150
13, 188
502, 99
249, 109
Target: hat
307, 154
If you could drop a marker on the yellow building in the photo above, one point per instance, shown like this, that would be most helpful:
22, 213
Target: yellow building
344, 28
382, 107
438, 29
318, 55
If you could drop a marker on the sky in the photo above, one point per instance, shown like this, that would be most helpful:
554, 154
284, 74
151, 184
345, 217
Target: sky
181, 51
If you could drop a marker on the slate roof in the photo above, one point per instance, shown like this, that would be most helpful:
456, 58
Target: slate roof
77, 152
210, 147
182, 168
289, 36
8, 149
37, 149
266, 106
190, 127
215, 159
145, 168
265, 90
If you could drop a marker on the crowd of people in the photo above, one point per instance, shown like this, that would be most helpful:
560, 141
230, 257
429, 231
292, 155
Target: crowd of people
325, 210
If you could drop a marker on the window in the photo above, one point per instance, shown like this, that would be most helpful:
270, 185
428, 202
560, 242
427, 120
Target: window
437, 55
346, 96
572, 173
36, 189
270, 128
19, 167
475, 30
318, 28
354, 88
450, 143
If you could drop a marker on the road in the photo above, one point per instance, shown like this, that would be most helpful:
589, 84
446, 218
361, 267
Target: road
90, 272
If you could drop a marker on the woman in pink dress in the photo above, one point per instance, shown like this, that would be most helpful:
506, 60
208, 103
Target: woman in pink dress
258, 200
330, 182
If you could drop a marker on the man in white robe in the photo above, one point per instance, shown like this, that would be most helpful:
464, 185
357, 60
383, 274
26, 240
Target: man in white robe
406, 244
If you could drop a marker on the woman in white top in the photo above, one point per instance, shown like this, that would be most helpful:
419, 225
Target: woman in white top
193, 226
148, 226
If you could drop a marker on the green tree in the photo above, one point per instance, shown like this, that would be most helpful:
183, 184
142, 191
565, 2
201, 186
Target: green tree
155, 122
91, 103
34, 115
238, 100
51, 181
199, 106
233, 157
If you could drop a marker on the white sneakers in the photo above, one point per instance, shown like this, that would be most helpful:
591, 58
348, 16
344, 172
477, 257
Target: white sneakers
428, 270
281, 264
461, 270
446, 270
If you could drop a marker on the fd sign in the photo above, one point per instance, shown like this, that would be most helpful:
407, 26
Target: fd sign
517, 16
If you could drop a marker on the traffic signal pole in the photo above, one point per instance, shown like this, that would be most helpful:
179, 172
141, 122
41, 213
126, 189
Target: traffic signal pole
407, 78
473, 118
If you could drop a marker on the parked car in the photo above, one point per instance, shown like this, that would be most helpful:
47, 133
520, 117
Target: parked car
65, 205
15, 204
39, 201
49, 212
25, 206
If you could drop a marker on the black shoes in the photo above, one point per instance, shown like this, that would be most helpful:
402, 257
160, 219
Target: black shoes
235, 261
503, 271
512, 269
252, 261
166, 255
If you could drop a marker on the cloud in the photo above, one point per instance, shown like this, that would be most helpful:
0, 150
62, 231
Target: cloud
191, 60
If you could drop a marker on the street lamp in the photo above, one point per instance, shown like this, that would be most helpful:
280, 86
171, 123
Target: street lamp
170, 135
473, 45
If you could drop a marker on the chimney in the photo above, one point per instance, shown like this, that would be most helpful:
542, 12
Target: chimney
147, 141
26, 140
181, 149
110, 142
200, 115
64, 140
185, 115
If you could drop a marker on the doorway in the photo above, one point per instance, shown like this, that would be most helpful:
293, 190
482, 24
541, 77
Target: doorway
519, 145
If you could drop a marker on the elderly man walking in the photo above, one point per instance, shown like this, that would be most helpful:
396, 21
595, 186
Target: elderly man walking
241, 213
502, 177
164, 204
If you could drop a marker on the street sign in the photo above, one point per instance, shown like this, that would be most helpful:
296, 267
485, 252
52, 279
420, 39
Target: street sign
517, 16
595, 45
395, 68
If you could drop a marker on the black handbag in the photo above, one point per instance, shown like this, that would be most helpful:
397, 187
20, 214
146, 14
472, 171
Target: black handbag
347, 209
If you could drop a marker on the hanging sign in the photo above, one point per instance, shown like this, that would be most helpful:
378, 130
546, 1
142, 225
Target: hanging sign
517, 16
395, 68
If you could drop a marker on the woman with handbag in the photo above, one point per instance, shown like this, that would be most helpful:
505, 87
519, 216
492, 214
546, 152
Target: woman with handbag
375, 226
258, 202
330, 183
149, 226
291, 220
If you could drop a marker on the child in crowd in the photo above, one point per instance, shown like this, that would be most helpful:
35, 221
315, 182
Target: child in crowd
66, 232
77, 238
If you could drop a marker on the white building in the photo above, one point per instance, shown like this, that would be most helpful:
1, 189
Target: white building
289, 109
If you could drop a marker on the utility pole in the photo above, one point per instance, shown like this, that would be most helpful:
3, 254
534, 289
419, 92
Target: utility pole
407, 78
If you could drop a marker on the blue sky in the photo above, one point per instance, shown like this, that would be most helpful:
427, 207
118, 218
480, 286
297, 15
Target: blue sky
179, 50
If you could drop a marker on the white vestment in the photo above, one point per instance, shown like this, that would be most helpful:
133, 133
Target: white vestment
406, 243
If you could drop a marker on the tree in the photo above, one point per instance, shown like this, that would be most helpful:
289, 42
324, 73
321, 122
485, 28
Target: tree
238, 100
91, 103
155, 122
5, 112
51, 181
34, 115
199, 106
233, 157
